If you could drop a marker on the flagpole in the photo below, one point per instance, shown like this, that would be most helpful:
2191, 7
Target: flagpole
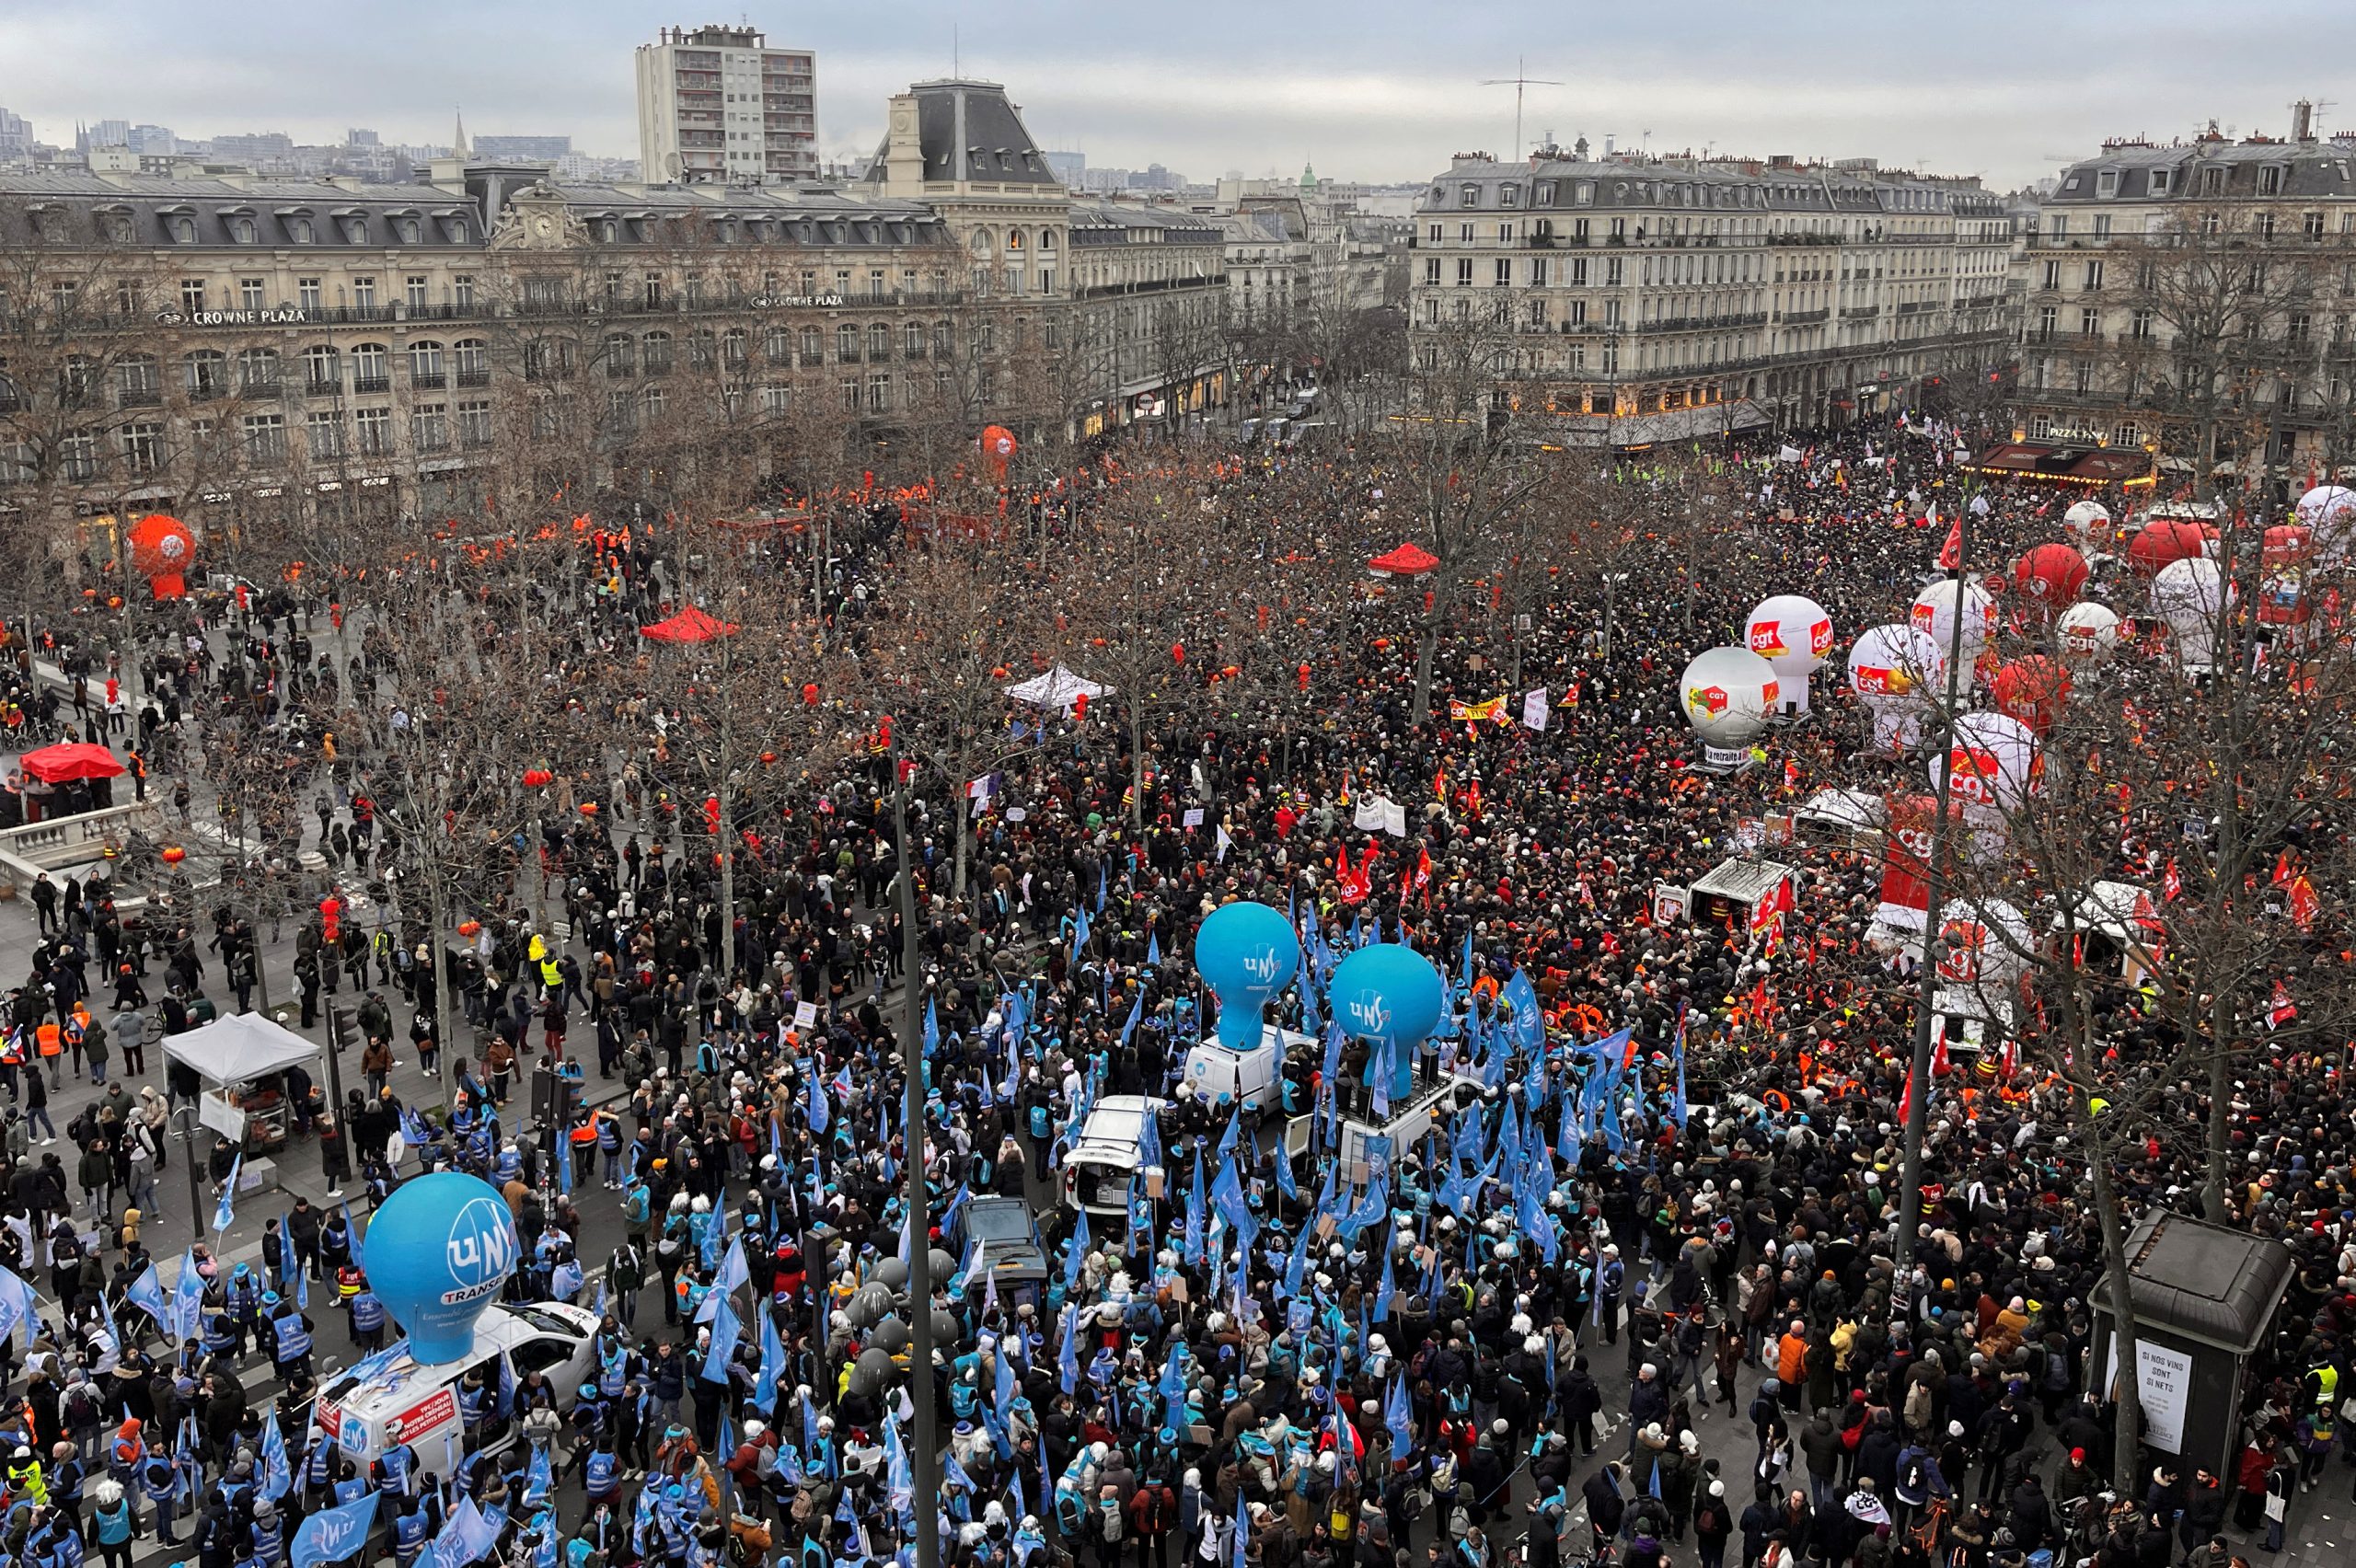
1918, 1071
926, 1460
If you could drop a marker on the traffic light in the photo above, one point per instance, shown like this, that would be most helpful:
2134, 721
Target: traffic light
343, 1026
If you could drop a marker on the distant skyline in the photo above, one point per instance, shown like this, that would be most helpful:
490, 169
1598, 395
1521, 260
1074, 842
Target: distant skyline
1374, 90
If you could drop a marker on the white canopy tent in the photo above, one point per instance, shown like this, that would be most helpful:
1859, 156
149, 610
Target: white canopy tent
1058, 689
239, 1047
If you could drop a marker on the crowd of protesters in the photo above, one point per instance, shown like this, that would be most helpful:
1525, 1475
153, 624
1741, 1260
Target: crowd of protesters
1274, 1374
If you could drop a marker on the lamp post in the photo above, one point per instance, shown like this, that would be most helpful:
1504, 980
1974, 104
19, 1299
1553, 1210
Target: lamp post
1918, 1071
187, 1160
925, 1460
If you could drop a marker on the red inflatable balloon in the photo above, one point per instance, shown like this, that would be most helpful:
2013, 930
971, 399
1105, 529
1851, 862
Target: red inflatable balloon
2031, 690
2051, 574
2162, 544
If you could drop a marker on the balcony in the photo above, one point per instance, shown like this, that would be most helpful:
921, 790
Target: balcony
1860, 312
1804, 317
140, 396
846, 356
476, 377
363, 385
437, 379
322, 387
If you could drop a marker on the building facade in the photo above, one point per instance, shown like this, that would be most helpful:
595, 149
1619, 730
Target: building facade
1295, 249
1645, 299
2195, 297
718, 103
1149, 312
241, 351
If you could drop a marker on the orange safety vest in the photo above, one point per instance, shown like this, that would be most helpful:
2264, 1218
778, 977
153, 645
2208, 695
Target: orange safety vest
586, 1132
49, 1039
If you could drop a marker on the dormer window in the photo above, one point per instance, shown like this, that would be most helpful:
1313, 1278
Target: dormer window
2159, 182
242, 230
299, 230
612, 228
409, 229
355, 230
2270, 179
1470, 196
1508, 195
2106, 182
184, 230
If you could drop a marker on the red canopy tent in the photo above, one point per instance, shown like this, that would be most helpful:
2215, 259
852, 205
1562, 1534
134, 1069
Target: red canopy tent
691, 624
65, 763
1409, 560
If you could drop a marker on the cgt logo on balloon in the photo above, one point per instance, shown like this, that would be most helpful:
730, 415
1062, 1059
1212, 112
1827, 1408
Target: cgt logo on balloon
1708, 701
481, 1250
1767, 639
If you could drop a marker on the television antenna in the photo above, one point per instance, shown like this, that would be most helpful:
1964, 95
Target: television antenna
1520, 80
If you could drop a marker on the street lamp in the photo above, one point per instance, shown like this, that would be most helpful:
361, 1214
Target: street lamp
926, 1456
188, 1158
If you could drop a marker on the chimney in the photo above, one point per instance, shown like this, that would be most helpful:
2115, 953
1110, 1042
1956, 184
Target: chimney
2303, 121
903, 148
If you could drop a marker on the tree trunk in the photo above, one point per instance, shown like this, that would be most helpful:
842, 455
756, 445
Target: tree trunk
2129, 1428
1427, 646
1136, 767
725, 846
437, 913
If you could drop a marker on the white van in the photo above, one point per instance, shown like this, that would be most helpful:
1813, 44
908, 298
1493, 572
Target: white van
1253, 1079
1109, 1151
360, 1406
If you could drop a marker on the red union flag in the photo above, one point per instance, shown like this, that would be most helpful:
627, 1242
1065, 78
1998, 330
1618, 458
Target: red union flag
1906, 856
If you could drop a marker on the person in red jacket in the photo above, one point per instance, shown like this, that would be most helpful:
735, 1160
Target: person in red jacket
1153, 1509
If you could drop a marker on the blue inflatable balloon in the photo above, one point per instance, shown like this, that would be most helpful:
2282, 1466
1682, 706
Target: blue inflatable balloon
1246, 953
1387, 994
435, 1253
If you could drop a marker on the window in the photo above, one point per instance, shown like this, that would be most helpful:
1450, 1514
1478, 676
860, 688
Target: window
2270, 179
2160, 181
143, 447
879, 394
735, 348
307, 293
470, 357
462, 292
192, 294
474, 424
1502, 273
2296, 327
205, 373
1508, 195
363, 293
1464, 271
2052, 275
2102, 226
1579, 272
2266, 226
875, 289
846, 343
374, 427
1537, 272
1433, 232
2094, 276
879, 341
620, 353
2312, 225
322, 370
265, 437
415, 289
257, 369
370, 369
776, 399
250, 295
2106, 182
323, 431
654, 353
2046, 317
810, 345
77, 458
2127, 434
2139, 325
652, 291
2059, 227
425, 367
850, 389
1614, 272
2090, 322
429, 427
1470, 196
139, 381
2212, 181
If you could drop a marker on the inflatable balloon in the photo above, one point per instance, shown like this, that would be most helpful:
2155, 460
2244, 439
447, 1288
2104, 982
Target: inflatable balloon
437, 1252
2190, 595
2088, 629
2049, 575
1793, 634
1933, 614
1993, 762
1982, 942
162, 549
2287, 545
2086, 519
2162, 543
2032, 690
1727, 694
873, 1373
1894, 670
1392, 996
2327, 505
1246, 953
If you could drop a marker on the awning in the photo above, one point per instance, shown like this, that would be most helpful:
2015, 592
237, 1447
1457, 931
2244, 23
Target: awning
63, 765
1058, 689
1410, 560
238, 1047
691, 624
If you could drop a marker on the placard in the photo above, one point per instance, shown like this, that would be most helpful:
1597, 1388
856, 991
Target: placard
2164, 1389
805, 1015
1669, 904
220, 1116
1193, 817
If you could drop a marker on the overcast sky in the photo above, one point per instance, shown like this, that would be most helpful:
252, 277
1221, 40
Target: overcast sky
1376, 90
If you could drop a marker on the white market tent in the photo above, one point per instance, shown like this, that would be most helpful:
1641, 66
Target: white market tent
239, 1047
1058, 689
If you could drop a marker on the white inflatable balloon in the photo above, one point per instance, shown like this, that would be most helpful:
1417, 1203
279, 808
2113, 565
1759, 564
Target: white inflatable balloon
1727, 694
2190, 595
1894, 670
1982, 942
2085, 518
1793, 634
2330, 511
1994, 762
1933, 613
2088, 630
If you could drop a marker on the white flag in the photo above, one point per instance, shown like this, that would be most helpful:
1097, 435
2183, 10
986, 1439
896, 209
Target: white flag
1224, 843
1534, 710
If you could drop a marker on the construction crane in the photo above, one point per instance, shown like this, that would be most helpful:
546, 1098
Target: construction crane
1519, 82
